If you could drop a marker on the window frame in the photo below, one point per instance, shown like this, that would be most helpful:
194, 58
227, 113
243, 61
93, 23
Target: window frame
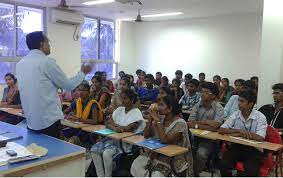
104, 61
16, 58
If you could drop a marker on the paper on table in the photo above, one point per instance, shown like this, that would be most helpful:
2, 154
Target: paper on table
249, 141
19, 149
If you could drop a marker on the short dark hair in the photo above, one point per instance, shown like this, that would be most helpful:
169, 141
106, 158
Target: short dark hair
127, 80
12, 76
98, 78
254, 78
195, 82
103, 72
201, 74
177, 81
131, 94
85, 86
241, 81
34, 39
249, 95
149, 76
212, 87
249, 84
227, 80
122, 72
159, 73
217, 77
179, 72
143, 72
138, 71
170, 101
165, 78
278, 86
189, 76
99, 73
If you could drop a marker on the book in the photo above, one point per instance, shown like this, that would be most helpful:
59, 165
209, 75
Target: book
152, 144
105, 132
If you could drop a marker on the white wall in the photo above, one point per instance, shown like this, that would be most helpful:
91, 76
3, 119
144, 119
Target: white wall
225, 45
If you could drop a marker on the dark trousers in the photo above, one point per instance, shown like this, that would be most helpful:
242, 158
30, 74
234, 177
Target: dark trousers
251, 158
54, 130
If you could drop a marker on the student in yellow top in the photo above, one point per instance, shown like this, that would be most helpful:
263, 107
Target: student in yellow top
85, 109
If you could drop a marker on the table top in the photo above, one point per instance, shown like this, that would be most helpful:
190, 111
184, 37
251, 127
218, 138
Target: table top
58, 150
170, 150
73, 124
13, 111
217, 136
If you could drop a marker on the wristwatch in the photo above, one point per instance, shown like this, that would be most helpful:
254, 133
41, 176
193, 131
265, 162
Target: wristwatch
196, 126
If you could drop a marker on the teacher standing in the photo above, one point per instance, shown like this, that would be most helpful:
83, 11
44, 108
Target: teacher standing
39, 78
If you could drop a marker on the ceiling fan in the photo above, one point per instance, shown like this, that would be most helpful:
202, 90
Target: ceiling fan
63, 4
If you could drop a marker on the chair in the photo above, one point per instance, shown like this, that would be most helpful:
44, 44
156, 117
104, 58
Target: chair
273, 136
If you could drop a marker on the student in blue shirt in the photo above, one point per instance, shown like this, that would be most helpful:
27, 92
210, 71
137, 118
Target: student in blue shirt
148, 94
249, 124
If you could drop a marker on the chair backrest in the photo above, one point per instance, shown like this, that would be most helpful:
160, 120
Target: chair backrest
272, 135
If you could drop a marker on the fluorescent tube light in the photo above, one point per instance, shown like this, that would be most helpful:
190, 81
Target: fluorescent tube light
162, 15
89, 3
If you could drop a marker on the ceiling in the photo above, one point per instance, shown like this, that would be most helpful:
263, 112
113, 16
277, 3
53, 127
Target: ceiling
190, 8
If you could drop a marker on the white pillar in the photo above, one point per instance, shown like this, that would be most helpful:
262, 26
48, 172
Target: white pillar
271, 59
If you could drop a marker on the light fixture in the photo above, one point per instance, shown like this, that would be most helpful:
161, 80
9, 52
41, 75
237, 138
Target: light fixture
162, 15
89, 3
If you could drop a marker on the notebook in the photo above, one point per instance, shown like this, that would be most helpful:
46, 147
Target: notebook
105, 132
152, 144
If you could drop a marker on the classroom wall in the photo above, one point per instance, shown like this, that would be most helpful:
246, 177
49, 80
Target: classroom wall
227, 45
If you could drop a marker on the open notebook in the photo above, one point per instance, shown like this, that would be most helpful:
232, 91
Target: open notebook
152, 144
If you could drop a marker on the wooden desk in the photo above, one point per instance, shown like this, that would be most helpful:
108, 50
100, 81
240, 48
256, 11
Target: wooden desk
170, 150
63, 159
73, 124
13, 111
93, 128
216, 136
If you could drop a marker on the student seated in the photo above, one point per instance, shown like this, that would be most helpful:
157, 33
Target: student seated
116, 98
273, 112
201, 78
126, 118
148, 94
239, 83
179, 75
10, 99
232, 106
107, 83
255, 80
164, 82
84, 109
206, 115
170, 129
121, 74
249, 124
11, 95
158, 77
226, 91
70, 96
217, 81
141, 80
99, 92
192, 97
176, 91
188, 77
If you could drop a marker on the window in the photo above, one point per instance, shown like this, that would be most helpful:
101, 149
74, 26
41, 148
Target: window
97, 46
15, 23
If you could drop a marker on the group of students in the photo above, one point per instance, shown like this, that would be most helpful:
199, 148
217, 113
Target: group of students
214, 106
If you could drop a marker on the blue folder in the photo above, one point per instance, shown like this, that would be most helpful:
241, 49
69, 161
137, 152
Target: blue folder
105, 132
152, 144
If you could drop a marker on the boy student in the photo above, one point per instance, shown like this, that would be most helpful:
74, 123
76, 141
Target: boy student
179, 75
158, 77
176, 91
141, 79
217, 81
201, 78
191, 97
206, 115
249, 124
232, 106
148, 94
188, 77
238, 86
273, 112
